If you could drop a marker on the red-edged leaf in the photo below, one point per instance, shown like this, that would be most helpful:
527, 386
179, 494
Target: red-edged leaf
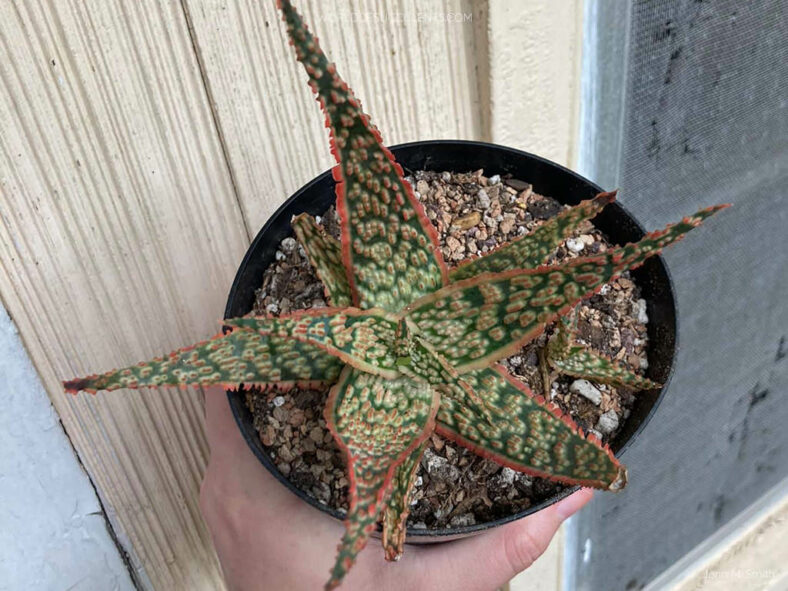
388, 245
533, 249
528, 434
476, 321
378, 423
397, 509
231, 359
424, 363
361, 338
571, 358
325, 254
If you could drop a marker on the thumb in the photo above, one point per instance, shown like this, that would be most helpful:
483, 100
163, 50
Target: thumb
490, 560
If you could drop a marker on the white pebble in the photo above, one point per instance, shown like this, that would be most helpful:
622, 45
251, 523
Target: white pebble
522, 231
272, 308
575, 245
507, 476
587, 390
641, 309
494, 179
463, 520
280, 256
318, 219
644, 363
289, 244
605, 289
608, 422
482, 199
279, 401
446, 176
417, 195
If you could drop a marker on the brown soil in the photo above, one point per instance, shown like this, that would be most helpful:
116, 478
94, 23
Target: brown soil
454, 487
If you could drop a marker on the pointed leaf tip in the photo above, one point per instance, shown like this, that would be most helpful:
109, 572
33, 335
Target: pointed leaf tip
621, 481
238, 357
373, 200
534, 248
78, 385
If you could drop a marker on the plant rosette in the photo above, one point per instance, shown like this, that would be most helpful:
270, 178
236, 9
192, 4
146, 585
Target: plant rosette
614, 222
410, 346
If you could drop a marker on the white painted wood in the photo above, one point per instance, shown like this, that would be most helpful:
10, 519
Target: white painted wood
143, 144
535, 57
411, 66
119, 236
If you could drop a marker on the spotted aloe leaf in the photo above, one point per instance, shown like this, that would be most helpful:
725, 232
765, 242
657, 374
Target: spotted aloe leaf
388, 245
325, 254
361, 338
239, 357
397, 509
426, 364
477, 321
567, 356
531, 250
378, 423
528, 434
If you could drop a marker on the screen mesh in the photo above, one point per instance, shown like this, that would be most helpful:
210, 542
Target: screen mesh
705, 121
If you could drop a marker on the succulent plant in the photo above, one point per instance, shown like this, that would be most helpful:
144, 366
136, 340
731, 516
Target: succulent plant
409, 345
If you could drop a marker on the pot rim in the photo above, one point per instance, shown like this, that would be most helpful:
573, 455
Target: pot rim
236, 397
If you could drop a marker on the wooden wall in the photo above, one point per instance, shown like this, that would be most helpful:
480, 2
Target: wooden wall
142, 144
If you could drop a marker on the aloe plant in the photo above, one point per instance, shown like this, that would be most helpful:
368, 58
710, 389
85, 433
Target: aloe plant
408, 345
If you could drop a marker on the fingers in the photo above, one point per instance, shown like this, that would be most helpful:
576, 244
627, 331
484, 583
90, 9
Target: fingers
490, 560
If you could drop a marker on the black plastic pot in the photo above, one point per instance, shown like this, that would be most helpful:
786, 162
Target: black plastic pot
547, 178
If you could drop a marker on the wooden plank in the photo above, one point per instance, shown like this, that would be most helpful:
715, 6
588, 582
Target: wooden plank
411, 63
131, 181
535, 56
119, 236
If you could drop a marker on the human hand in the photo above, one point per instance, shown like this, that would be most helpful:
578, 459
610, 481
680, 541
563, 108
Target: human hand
269, 539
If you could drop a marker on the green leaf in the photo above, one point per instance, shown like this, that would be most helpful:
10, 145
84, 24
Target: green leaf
567, 356
239, 357
378, 423
397, 509
533, 249
426, 364
528, 434
325, 254
361, 338
388, 244
477, 321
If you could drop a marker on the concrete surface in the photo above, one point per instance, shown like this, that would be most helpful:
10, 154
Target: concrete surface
53, 533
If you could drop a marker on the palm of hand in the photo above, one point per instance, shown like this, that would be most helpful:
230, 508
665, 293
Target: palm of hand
267, 538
